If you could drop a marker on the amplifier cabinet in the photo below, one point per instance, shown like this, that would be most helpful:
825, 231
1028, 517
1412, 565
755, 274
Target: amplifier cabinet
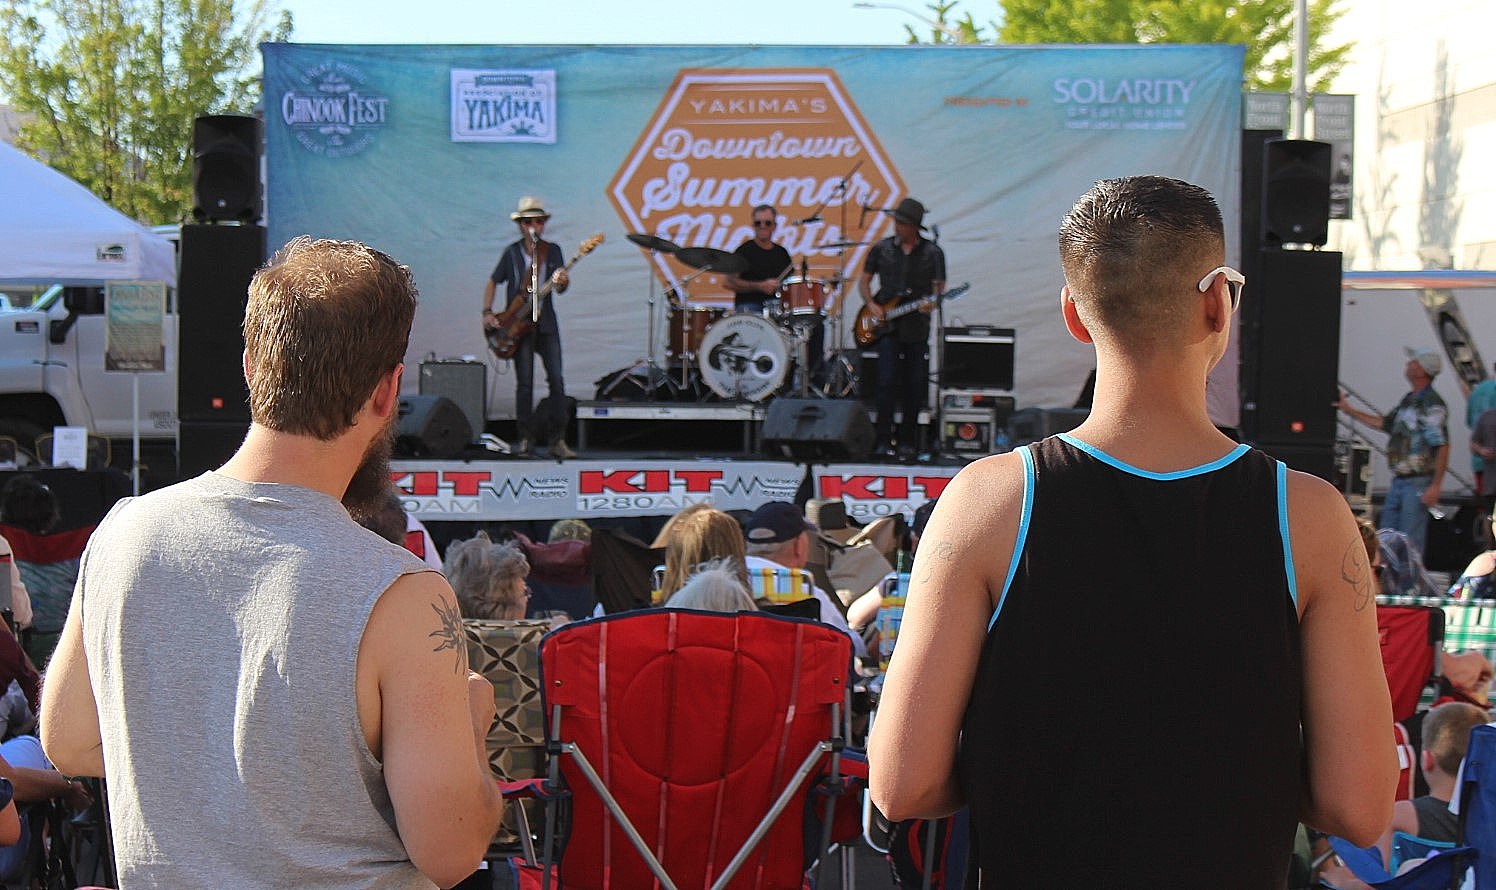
977, 357
464, 382
967, 430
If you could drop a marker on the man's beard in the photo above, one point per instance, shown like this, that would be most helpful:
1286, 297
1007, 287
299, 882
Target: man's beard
371, 481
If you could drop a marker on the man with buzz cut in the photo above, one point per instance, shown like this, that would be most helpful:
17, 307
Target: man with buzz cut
278, 696
1139, 637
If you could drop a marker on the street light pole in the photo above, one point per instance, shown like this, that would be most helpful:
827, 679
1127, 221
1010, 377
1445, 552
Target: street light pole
1300, 68
947, 30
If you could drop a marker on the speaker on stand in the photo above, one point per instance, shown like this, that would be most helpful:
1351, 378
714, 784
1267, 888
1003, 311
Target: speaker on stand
226, 168
1295, 192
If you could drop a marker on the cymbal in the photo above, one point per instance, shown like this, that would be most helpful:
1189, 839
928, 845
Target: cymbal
717, 260
843, 243
653, 242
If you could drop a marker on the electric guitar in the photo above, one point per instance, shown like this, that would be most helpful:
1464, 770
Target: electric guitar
869, 330
516, 321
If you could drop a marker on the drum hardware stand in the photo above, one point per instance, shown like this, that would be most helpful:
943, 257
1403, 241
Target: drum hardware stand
688, 358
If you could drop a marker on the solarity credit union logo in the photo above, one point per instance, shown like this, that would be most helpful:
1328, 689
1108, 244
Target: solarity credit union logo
333, 113
725, 140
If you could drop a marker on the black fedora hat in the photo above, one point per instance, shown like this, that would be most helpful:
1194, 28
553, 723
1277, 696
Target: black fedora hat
910, 211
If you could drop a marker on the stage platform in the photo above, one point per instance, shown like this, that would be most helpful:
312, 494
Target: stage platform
642, 422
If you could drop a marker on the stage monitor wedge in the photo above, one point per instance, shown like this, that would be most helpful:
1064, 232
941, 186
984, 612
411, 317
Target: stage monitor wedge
818, 429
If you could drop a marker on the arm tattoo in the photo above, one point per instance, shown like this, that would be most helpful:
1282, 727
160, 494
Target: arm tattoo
944, 551
1355, 571
450, 635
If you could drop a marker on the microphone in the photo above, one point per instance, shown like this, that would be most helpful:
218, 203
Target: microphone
808, 219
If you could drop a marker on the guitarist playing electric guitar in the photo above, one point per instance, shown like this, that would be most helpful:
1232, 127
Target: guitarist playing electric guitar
529, 266
909, 268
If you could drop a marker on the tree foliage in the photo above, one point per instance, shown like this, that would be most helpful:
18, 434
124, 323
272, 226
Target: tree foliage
1265, 27
107, 91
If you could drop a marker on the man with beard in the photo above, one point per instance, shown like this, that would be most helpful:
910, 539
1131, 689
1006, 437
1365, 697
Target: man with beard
271, 688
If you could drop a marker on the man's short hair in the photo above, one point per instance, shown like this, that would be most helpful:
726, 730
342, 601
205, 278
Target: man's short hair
1446, 732
325, 320
760, 208
1134, 250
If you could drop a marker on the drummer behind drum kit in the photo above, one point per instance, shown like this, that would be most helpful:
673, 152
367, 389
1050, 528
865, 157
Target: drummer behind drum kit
745, 356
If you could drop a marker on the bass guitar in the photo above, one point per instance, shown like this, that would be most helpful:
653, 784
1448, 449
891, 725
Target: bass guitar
516, 321
869, 330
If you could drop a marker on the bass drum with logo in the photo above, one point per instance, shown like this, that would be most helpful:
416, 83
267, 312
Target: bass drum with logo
743, 357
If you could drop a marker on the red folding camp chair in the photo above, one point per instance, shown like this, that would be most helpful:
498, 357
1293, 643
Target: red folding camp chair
1412, 637
696, 749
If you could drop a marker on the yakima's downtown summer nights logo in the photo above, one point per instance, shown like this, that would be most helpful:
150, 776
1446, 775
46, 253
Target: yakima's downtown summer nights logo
724, 140
333, 113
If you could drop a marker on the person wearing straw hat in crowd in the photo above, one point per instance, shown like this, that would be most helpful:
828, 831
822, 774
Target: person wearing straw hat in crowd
1417, 446
515, 270
909, 268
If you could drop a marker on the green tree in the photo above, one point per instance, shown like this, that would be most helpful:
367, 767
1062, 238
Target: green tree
1265, 27
108, 90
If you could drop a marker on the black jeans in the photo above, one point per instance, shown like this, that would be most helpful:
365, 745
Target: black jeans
554, 423
903, 378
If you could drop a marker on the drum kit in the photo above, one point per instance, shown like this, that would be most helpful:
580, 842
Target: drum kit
715, 353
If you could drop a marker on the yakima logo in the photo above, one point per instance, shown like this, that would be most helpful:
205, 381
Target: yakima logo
334, 115
725, 140
517, 105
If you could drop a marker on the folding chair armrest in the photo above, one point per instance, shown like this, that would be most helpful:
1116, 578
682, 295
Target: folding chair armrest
537, 789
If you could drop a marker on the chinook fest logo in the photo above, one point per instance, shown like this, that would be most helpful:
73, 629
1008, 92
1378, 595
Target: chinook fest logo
334, 115
725, 140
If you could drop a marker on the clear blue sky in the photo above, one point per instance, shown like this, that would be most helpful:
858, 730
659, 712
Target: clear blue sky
803, 22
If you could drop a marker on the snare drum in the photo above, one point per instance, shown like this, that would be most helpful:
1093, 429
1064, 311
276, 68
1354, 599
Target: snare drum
804, 296
688, 325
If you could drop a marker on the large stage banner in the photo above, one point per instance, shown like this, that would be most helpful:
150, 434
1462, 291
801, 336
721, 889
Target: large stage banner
423, 151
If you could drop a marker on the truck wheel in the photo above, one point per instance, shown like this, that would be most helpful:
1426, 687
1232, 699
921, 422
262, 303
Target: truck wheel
25, 433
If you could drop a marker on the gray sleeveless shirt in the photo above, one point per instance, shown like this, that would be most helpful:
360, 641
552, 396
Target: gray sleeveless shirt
222, 620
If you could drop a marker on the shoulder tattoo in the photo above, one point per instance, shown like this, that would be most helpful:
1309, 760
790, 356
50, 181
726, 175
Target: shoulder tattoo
1356, 572
449, 635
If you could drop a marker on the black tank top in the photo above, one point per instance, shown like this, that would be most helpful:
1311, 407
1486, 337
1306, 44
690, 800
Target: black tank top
1134, 720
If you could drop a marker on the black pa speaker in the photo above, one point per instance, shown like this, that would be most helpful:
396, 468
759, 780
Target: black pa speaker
818, 429
217, 263
1295, 192
226, 168
205, 445
1290, 356
431, 426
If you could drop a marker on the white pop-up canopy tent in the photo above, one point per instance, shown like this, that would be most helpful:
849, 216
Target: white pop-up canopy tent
53, 230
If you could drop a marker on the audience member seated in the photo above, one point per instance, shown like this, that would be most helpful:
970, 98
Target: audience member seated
699, 534
488, 578
1446, 733
778, 537
1475, 583
47, 559
392, 523
569, 530
715, 587
864, 610
1403, 573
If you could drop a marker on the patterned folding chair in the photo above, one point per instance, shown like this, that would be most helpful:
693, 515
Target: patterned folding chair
690, 745
780, 585
508, 654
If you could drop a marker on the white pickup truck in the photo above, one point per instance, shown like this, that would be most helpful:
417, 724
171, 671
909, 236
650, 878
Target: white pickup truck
52, 374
